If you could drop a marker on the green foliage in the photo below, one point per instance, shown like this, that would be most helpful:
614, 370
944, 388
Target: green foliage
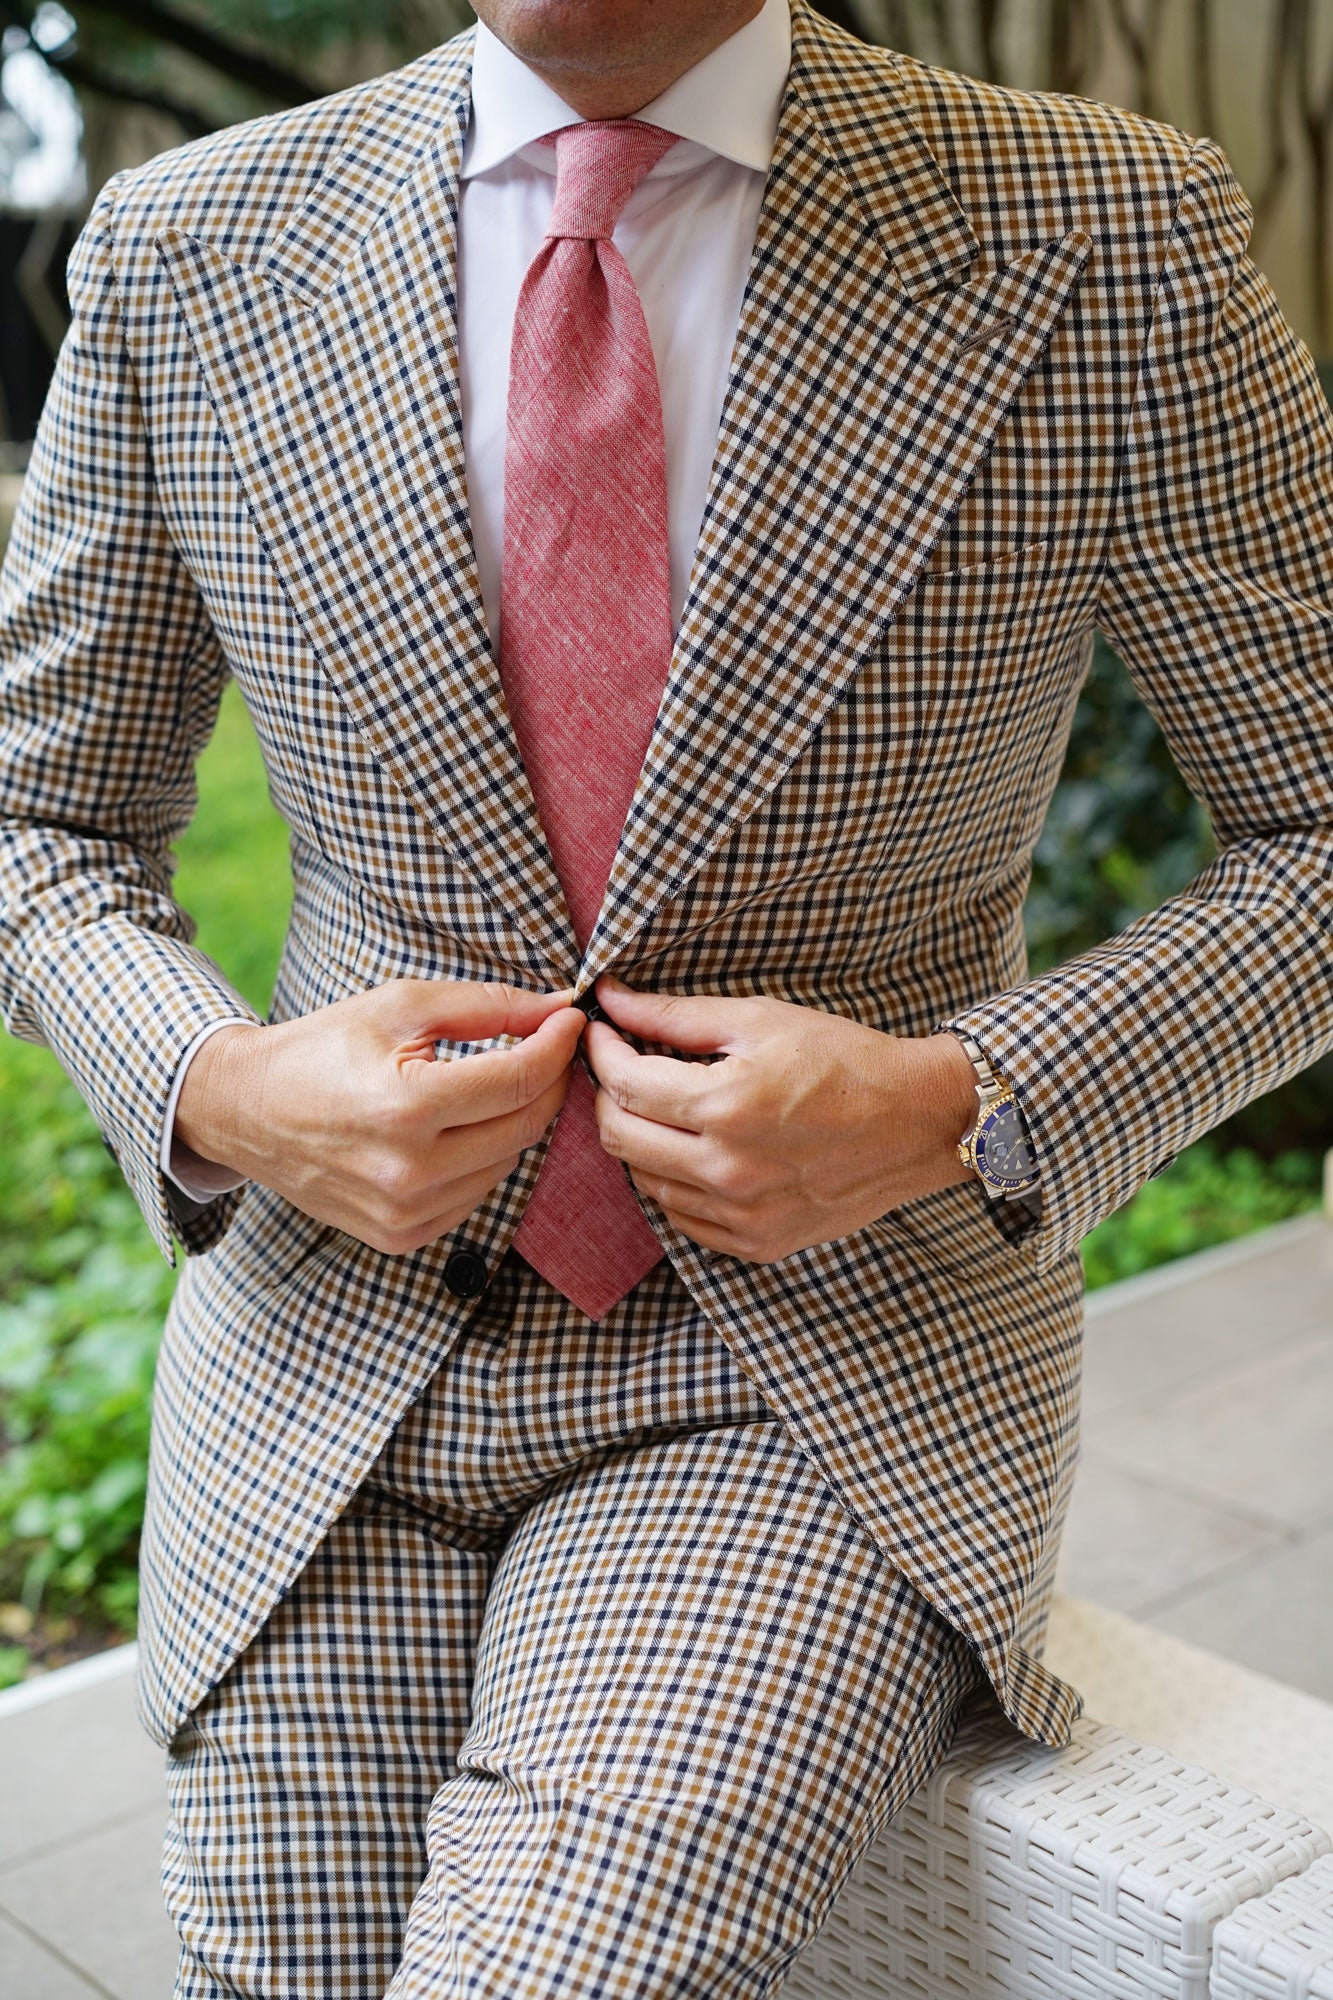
83, 1289
1123, 831
52, 1165
1122, 834
1206, 1196
76, 1371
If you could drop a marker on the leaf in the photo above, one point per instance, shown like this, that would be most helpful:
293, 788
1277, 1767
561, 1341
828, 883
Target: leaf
124, 1479
13, 1665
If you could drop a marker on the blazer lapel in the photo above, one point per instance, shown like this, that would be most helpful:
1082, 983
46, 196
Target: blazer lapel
866, 386
332, 365
864, 391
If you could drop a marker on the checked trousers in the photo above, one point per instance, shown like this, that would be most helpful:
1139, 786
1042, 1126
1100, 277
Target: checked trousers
593, 1690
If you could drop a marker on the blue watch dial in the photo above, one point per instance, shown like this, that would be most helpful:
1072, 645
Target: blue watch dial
1003, 1151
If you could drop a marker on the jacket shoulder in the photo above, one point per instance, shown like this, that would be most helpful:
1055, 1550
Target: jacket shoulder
1023, 161
241, 186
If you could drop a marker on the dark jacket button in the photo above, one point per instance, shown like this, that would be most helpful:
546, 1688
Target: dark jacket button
465, 1274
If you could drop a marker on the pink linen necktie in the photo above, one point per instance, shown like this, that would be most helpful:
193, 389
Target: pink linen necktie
585, 629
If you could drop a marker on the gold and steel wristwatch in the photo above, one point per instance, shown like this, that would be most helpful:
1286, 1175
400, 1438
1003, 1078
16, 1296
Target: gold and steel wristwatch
997, 1149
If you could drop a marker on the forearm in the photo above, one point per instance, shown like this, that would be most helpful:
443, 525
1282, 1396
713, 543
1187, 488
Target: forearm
1129, 1052
1215, 592
945, 1086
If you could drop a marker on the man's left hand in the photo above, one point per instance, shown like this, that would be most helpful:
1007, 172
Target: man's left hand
811, 1127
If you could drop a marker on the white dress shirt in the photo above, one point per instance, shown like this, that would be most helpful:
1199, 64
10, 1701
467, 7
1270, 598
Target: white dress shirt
686, 233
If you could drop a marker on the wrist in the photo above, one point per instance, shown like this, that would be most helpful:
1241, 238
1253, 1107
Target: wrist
956, 1089
945, 1089
222, 1082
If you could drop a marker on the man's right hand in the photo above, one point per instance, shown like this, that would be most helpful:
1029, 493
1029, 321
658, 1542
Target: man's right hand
348, 1113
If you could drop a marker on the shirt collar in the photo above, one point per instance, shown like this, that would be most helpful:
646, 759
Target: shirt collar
728, 103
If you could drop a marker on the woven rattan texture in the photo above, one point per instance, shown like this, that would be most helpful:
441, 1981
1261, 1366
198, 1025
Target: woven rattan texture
1279, 1946
1097, 1872
1254, 1731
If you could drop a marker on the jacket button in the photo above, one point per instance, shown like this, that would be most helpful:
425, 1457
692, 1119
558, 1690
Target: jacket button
465, 1274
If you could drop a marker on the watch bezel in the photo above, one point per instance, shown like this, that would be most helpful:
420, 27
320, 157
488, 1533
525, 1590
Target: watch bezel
1004, 1183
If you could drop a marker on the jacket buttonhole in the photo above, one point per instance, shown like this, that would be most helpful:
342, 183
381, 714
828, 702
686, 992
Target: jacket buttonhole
978, 338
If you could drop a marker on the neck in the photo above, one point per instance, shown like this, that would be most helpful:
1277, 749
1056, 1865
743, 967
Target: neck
620, 92
608, 97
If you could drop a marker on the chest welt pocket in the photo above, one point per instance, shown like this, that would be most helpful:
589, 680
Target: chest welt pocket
979, 608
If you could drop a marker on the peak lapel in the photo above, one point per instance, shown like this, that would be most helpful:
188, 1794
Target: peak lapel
867, 383
333, 369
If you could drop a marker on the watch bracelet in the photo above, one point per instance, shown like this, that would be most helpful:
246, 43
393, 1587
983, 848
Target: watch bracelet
992, 1089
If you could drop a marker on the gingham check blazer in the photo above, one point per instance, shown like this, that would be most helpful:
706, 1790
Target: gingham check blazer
1005, 372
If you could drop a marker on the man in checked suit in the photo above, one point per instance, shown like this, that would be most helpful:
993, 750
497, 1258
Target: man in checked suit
560, 1564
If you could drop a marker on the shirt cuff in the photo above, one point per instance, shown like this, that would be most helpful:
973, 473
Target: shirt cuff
199, 1178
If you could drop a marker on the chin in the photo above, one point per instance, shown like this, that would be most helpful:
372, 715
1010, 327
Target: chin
595, 37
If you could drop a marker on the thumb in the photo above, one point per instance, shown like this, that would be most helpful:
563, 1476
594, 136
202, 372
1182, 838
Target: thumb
699, 1021
493, 1081
468, 1010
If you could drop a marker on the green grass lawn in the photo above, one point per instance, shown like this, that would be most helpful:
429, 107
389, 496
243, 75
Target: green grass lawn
83, 1289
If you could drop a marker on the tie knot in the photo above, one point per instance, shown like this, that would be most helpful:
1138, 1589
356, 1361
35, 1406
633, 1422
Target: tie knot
598, 165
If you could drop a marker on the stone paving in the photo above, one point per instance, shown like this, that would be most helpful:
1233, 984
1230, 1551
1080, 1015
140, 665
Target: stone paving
1204, 1500
1204, 1507
80, 1831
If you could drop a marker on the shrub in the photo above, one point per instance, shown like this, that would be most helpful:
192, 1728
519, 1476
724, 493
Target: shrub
83, 1288
76, 1368
1207, 1195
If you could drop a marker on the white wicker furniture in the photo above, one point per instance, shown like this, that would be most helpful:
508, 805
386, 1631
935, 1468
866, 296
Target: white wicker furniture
1280, 1946
1256, 1732
1021, 1873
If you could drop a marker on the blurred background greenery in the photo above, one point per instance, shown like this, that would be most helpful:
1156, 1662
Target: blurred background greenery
89, 89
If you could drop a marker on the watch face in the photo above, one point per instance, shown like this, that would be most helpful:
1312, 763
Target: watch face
1003, 1151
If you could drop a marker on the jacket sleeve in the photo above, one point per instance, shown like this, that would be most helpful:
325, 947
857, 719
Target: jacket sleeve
1217, 593
110, 677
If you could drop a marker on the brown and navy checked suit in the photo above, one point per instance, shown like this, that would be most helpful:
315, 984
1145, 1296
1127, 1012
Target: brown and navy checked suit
1005, 374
